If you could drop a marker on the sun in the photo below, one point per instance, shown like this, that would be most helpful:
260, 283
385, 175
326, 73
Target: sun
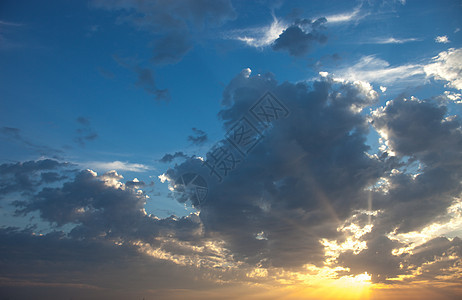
347, 287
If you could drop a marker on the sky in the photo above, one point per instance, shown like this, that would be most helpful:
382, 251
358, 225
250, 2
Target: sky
218, 149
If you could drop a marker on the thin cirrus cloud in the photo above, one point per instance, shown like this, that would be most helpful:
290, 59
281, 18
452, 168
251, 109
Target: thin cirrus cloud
446, 66
116, 165
352, 16
392, 40
260, 36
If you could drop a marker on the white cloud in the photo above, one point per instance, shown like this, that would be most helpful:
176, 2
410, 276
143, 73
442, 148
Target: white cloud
447, 65
383, 89
442, 39
116, 165
456, 97
346, 17
260, 36
392, 40
447, 228
372, 69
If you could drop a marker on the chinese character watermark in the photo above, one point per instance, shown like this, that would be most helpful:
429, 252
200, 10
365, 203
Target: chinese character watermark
239, 141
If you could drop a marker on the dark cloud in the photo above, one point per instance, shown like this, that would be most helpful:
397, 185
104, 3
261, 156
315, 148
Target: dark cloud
172, 22
54, 266
311, 175
85, 133
299, 38
146, 81
311, 172
199, 136
420, 130
145, 78
15, 134
167, 158
26, 177
171, 48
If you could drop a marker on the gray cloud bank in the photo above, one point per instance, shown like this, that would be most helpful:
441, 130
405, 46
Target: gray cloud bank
311, 174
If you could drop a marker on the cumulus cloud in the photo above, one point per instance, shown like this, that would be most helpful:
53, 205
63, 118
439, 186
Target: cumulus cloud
26, 177
447, 65
311, 173
299, 38
443, 39
311, 195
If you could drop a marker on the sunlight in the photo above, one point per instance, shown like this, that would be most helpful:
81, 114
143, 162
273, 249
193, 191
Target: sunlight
346, 287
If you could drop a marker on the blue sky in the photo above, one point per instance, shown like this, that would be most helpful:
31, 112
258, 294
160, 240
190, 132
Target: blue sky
118, 85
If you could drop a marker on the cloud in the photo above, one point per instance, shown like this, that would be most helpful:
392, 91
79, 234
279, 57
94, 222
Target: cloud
287, 174
315, 163
171, 22
171, 48
392, 40
354, 15
146, 81
299, 38
442, 39
167, 158
311, 198
116, 165
6, 28
145, 78
372, 69
27, 177
199, 136
15, 135
260, 36
85, 133
447, 65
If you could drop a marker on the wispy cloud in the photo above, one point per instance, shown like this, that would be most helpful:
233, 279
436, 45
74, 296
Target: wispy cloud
5, 42
392, 40
260, 36
373, 69
446, 66
4, 23
116, 165
353, 15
